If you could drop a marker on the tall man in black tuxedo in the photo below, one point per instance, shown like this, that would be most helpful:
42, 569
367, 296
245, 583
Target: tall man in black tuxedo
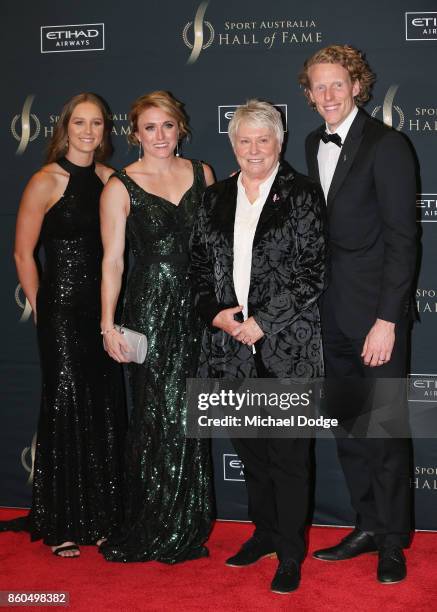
367, 173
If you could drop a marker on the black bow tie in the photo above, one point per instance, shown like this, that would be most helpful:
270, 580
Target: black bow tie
335, 138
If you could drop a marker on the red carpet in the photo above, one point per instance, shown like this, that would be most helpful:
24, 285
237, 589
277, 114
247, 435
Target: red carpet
96, 585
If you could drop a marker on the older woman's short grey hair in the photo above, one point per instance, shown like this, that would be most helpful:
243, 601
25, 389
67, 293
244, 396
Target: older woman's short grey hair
258, 113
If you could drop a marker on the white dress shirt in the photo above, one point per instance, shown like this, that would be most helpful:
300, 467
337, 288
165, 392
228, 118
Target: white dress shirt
329, 153
246, 219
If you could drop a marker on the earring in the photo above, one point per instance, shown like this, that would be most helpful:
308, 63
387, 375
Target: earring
177, 150
66, 144
140, 151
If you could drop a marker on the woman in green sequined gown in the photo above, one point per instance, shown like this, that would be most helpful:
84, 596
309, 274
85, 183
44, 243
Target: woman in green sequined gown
153, 203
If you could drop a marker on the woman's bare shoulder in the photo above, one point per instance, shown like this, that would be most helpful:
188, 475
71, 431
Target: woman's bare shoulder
47, 178
104, 172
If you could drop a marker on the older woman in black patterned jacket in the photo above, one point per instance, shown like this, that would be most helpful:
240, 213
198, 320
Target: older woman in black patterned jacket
258, 263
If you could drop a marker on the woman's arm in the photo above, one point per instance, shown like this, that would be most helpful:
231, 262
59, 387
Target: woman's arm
104, 172
35, 201
114, 208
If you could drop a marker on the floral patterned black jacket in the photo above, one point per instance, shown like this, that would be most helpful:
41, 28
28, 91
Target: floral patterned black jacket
287, 277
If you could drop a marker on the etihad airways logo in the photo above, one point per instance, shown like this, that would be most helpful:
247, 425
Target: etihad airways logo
426, 204
421, 26
79, 37
233, 468
422, 388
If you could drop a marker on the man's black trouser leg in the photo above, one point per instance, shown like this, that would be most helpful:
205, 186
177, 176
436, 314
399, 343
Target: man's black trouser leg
376, 469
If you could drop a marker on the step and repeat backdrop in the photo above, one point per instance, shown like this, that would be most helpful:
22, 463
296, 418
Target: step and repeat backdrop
213, 56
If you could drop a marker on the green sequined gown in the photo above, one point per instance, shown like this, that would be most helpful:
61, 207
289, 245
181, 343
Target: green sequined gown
168, 483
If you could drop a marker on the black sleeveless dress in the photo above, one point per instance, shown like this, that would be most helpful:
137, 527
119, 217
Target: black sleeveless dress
78, 463
168, 476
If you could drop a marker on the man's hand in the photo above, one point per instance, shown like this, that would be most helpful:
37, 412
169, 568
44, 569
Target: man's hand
379, 342
249, 332
225, 320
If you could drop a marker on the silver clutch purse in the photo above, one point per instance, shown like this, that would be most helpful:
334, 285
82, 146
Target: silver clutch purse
137, 344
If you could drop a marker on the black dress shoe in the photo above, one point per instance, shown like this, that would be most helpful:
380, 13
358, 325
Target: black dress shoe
392, 566
287, 577
354, 544
251, 551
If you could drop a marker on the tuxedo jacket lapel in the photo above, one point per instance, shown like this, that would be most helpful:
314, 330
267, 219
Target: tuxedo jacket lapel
347, 156
313, 149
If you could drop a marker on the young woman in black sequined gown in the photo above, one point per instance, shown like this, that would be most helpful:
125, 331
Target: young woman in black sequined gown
78, 464
154, 201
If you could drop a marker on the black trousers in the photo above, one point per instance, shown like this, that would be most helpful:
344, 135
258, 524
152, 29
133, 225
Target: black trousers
277, 480
377, 470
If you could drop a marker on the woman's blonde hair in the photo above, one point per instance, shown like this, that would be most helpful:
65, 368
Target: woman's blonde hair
158, 99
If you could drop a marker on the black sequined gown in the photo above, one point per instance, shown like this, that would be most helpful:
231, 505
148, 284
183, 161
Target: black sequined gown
81, 431
168, 492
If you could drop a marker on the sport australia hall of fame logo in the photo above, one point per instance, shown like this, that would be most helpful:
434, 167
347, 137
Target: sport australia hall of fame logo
25, 127
232, 468
28, 459
22, 303
198, 35
389, 118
